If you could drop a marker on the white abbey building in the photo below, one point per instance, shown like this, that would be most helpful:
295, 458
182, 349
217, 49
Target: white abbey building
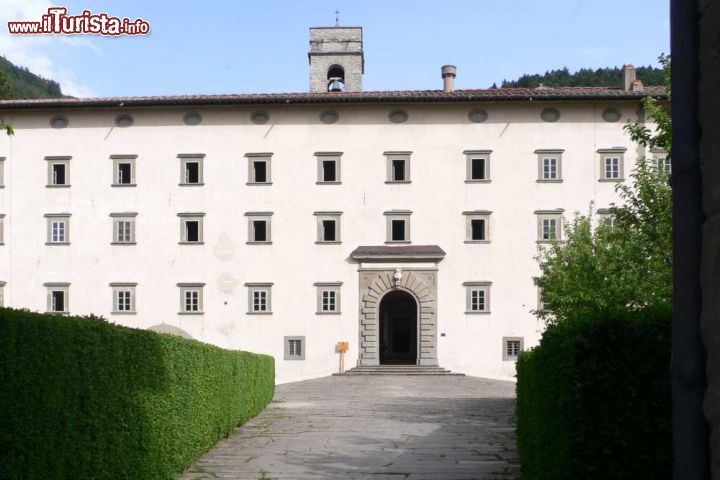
403, 222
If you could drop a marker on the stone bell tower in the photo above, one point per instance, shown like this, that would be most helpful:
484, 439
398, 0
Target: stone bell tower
336, 59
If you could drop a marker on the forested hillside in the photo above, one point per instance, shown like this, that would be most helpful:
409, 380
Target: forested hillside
19, 82
585, 77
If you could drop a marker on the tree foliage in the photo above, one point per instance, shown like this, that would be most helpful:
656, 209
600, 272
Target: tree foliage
22, 83
661, 135
626, 265
585, 77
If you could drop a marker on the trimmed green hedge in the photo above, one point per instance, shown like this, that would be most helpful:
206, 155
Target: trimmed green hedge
82, 398
593, 400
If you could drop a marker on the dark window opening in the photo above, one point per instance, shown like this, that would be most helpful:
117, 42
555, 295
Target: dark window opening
124, 173
58, 174
58, 301
329, 171
260, 231
192, 231
398, 230
478, 169
328, 230
398, 170
260, 172
192, 172
477, 228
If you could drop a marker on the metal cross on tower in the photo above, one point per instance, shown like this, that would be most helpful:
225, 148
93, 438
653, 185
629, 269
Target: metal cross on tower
337, 17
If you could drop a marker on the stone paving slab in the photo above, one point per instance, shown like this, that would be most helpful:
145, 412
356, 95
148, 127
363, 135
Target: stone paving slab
374, 427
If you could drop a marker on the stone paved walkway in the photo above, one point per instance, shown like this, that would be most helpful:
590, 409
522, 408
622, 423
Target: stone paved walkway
387, 427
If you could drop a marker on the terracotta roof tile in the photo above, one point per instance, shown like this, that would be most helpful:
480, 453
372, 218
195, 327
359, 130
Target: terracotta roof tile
399, 96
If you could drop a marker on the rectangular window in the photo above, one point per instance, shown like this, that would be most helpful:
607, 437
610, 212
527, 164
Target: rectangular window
58, 301
328, 167
328, 297
329, 171
58, 171
191, 227
477, 300
550, 169
398, 226
123, 227
260, 301
259, 231
549, 228
477, 171
58, 231
124, 173
259, 298
192, 231
663, 163
259, 171
549, 225
328, 227
549, 165
398, 230
477, 229
477, 168
398, 167
398, 170
123, 297
612, 167
259, 168
477, 297
192, 172
191, 298
124, 170
294, 348
259, 227
57, 297
58, 174
58, 228
611, 164
328, 301
191, 168
2, 172
512, 346
477, 223
2, 229
124, 231
2, 294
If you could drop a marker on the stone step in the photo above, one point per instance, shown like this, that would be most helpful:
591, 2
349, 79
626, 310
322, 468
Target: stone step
398, 370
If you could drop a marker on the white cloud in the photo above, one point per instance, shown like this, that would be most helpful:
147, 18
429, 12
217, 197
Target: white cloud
32, 51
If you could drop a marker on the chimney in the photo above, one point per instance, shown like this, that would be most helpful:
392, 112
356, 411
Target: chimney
628, 77
637, 86
448, 74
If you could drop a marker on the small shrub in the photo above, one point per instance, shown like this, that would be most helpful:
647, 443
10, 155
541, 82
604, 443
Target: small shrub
593, 400
82, 398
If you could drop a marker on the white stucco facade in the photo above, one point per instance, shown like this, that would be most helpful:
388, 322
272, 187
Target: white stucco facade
437, 195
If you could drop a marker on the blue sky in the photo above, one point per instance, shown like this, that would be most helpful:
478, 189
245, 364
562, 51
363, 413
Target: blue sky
261, 46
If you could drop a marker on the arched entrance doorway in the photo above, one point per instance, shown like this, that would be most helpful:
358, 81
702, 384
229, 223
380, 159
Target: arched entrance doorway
398, 329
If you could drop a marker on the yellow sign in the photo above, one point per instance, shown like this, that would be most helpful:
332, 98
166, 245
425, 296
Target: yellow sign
342, 346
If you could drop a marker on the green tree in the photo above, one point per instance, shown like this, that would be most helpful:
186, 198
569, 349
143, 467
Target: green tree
624, 264
5, 92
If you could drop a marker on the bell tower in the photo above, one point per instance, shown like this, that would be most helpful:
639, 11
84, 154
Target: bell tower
337, 62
